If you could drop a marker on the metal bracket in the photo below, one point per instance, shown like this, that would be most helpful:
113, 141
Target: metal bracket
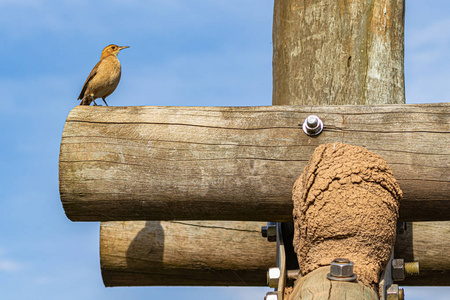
386, 278
281, 262
286, 257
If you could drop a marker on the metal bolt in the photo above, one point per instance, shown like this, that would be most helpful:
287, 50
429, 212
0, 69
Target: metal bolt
312, 125
271, 296
398, 269
341, 269
270, 231
312, 121
293, 274
392, 292
412, 268
401, 227
273, 276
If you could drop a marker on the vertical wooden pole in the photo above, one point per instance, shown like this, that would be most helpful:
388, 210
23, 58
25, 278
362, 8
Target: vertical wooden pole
337, 52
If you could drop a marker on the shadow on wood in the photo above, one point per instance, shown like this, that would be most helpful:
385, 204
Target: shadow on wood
186, 253
129, 258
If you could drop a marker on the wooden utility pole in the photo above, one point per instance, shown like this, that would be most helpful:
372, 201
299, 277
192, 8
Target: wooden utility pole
221, 163
338, 52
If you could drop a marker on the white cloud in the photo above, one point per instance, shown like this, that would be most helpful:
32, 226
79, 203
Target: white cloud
8, 265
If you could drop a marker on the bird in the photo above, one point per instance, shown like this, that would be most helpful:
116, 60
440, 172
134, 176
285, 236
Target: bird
104, 77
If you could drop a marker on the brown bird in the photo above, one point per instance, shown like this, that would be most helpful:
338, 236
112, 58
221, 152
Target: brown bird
104, 77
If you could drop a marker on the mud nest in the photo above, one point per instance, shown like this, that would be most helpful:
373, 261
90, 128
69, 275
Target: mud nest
346, 204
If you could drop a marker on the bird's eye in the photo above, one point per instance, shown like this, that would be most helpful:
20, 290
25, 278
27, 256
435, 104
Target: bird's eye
113, 47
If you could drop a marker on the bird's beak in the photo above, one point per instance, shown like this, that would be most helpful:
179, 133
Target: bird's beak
123, 47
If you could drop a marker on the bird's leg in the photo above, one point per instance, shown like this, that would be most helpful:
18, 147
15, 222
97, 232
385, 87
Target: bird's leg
93, 100
105, 101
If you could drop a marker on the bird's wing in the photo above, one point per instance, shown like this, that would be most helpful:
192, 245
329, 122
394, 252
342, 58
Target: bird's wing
91, 75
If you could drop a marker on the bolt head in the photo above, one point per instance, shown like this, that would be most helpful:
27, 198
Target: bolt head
269, 232
312, 121
273, 276
312, 125
398, 269
341, 267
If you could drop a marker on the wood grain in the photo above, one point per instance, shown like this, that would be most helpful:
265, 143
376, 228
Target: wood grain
315, 285
426, 243
238, 163
221, 253
338, 52
191, 253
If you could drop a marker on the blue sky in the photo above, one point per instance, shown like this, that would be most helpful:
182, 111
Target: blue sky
190, 53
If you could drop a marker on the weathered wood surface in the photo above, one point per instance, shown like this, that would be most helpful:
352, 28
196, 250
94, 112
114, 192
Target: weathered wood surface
221, 253
338, 52
238, 163
184, 253
315, 285
427, 243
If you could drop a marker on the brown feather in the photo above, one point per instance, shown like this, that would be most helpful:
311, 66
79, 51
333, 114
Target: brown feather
85, 85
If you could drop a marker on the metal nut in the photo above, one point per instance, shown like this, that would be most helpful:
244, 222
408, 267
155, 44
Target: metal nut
271, 296
393, 292
270, 231
293, 274
273, 277
398, 269
341, 269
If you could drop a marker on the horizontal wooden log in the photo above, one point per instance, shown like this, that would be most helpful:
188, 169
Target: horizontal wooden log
222, 253
238, 163
187, 253
427, 243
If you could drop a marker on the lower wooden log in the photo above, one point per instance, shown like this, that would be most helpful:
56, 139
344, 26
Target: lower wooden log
153, 253
427, 243
190, 253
